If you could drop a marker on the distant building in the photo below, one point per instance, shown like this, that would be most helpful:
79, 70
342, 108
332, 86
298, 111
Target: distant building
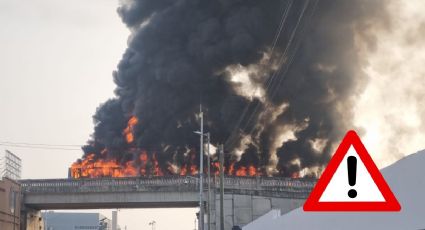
10, 165
76, 221
9, 204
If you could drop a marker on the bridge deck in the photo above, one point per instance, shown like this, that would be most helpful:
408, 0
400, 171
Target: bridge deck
175, 191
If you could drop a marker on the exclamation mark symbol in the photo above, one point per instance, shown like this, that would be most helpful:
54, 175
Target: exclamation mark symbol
352, 172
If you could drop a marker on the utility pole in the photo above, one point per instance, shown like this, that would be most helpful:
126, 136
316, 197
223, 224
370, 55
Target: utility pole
152, 223
207, 135
209, 182
114, 219
221, 187
201, 171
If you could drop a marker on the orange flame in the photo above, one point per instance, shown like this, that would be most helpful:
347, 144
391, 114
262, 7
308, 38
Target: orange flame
216, 168
183, 170
143, 157
157, 170
241, 171
128, 131
295, 175
143, 163
232, 168
252, 171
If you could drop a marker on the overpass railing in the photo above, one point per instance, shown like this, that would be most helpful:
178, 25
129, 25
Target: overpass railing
287, 187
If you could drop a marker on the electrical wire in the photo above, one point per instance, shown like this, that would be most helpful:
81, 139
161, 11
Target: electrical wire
36, 144
285, 13
48, 147
285, 62
274, 87
269, 82
288, 54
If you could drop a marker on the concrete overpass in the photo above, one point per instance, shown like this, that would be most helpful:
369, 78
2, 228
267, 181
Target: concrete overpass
246, 198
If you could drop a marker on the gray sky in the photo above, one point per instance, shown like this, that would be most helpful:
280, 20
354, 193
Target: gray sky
56, 59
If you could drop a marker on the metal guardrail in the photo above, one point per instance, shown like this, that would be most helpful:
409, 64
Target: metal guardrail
287, 187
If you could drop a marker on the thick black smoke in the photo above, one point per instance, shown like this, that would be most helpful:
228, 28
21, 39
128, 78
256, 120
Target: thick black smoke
181, 53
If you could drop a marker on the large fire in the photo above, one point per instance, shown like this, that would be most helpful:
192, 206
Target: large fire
146, 164
90, 167
128, 131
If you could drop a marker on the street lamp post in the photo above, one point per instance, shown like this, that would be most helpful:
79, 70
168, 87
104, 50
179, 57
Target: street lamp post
221, 187
209, 182
102, 224
201, 170
201, 173
207, 135
152, 223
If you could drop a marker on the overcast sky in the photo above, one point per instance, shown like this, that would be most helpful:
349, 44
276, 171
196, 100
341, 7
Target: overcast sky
56, 60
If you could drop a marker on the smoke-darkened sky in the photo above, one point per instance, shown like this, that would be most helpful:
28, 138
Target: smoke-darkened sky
56, 69
308, 67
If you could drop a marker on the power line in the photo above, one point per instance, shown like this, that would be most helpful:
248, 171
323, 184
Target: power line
285, 61
290, 57
37, 144
285, 12
39, 147
230, 141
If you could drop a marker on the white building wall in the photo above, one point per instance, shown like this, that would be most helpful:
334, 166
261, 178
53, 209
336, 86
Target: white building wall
10, 165
260, 222
2, 163
242, 210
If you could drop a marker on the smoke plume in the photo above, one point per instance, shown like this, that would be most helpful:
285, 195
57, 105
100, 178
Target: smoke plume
277, 80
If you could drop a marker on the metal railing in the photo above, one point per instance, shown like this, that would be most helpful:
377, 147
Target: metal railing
298, 188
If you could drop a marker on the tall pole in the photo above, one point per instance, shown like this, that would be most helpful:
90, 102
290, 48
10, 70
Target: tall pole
221, 187
209, 182
114, 220
152, 223
201, 172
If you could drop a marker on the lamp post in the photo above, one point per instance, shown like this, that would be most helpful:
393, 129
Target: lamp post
201, 170
207, 135
209, 181
221, 187
152, 223
102, 224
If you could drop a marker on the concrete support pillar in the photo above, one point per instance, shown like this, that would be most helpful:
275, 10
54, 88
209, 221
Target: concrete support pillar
240, 210
32, 220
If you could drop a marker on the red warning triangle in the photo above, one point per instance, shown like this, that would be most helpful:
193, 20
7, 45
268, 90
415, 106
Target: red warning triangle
334, 197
